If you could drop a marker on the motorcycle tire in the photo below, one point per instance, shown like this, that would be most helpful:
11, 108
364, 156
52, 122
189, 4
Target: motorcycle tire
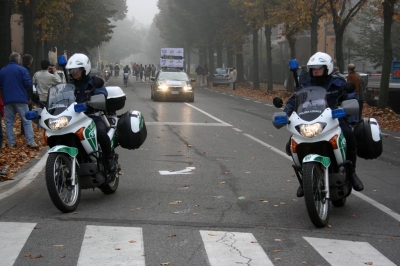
63, 194
111, 187
316, 202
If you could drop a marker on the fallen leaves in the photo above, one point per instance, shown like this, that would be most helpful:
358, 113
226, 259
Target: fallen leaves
16, 157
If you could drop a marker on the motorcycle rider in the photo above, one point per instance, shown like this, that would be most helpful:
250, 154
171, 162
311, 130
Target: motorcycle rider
78, 67
320, 67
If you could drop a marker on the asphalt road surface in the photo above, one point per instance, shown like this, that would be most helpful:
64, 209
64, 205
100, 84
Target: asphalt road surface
210, 186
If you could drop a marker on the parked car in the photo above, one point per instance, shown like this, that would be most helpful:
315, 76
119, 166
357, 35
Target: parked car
221, 76
172, 84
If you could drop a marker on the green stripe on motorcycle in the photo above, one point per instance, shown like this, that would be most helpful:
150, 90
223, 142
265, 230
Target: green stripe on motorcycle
65, 149
325, 161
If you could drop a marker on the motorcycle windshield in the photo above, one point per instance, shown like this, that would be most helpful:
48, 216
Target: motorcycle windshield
310, 102
59, 98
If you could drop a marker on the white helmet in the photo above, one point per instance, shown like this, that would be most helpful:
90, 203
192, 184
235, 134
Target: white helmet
79, 61
321, 59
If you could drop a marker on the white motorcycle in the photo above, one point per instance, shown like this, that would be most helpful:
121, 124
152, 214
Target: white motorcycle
75, 158
318, 149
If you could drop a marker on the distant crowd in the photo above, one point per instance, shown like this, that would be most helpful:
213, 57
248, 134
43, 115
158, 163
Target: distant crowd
140, 72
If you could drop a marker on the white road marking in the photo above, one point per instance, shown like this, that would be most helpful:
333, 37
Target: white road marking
236, 129
213, 117
13, 237
269, 146
377, 205
186, 124
30, 175
187, 171
269, 105
232, 248
348, 253
109, 245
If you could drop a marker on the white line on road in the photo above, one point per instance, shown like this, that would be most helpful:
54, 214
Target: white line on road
32, 173
186, 124
109, 245
236, 129
12, 240
269, 146
213, 117
233, 248
348, 253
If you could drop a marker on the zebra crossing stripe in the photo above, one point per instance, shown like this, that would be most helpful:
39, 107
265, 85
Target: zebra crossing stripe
232, 248
13, 237
348, 253
109, 245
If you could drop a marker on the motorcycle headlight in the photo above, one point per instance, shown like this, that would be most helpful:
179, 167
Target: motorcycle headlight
58, 123
312, 130
163, 87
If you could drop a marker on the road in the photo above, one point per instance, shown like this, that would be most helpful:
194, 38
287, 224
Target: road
210, 186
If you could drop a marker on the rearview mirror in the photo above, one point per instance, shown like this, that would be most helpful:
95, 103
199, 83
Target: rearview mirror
98, 102
278, 103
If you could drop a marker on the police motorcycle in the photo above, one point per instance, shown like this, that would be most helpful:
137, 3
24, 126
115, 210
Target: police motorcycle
75, 159
318, 149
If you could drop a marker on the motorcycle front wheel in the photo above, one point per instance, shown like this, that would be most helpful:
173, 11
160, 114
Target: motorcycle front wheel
316, 202
63, 193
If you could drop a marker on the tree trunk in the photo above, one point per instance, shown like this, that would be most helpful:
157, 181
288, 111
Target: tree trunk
30, 39
240, 63
5, 31
291, 38
314, 34
268, 45
229, 57
219, 54
339, 49
188, 58
388, 12
256, 77
211, 57
204, 56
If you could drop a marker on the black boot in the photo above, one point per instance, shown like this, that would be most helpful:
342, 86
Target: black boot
300, 192
111, 167
354, 180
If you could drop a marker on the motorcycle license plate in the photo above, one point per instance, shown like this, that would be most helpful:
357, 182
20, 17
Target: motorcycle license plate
174, 92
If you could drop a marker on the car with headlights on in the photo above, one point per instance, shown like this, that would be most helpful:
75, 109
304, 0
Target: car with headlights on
168, 84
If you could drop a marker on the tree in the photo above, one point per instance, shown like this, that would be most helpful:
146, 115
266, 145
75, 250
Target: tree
388, 14
5, 31
343, 12
369, 46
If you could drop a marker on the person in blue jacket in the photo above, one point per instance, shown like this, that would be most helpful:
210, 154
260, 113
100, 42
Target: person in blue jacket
79, 66
320, 68
15, 83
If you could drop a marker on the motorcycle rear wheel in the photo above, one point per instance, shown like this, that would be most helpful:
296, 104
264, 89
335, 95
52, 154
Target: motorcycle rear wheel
111, 187
63, 194
316, 202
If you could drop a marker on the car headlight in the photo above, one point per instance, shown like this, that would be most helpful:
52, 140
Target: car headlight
58, 123
187, 88
163, 87
310, 131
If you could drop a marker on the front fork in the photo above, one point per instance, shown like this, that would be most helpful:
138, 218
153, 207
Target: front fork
299, 173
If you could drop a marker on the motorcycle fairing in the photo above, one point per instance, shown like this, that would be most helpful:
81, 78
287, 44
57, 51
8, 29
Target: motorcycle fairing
91, 136
64, 149
325, 161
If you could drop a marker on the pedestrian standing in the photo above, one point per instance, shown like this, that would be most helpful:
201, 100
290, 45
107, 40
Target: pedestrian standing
234, 78
205, 75
231, 79
27, 61
1, 122
111, 69
355, 78
44, 79
153, 70
14, 82
199, 72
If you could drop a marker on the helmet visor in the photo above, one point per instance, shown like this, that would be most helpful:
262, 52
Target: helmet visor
74, 71
316, 66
